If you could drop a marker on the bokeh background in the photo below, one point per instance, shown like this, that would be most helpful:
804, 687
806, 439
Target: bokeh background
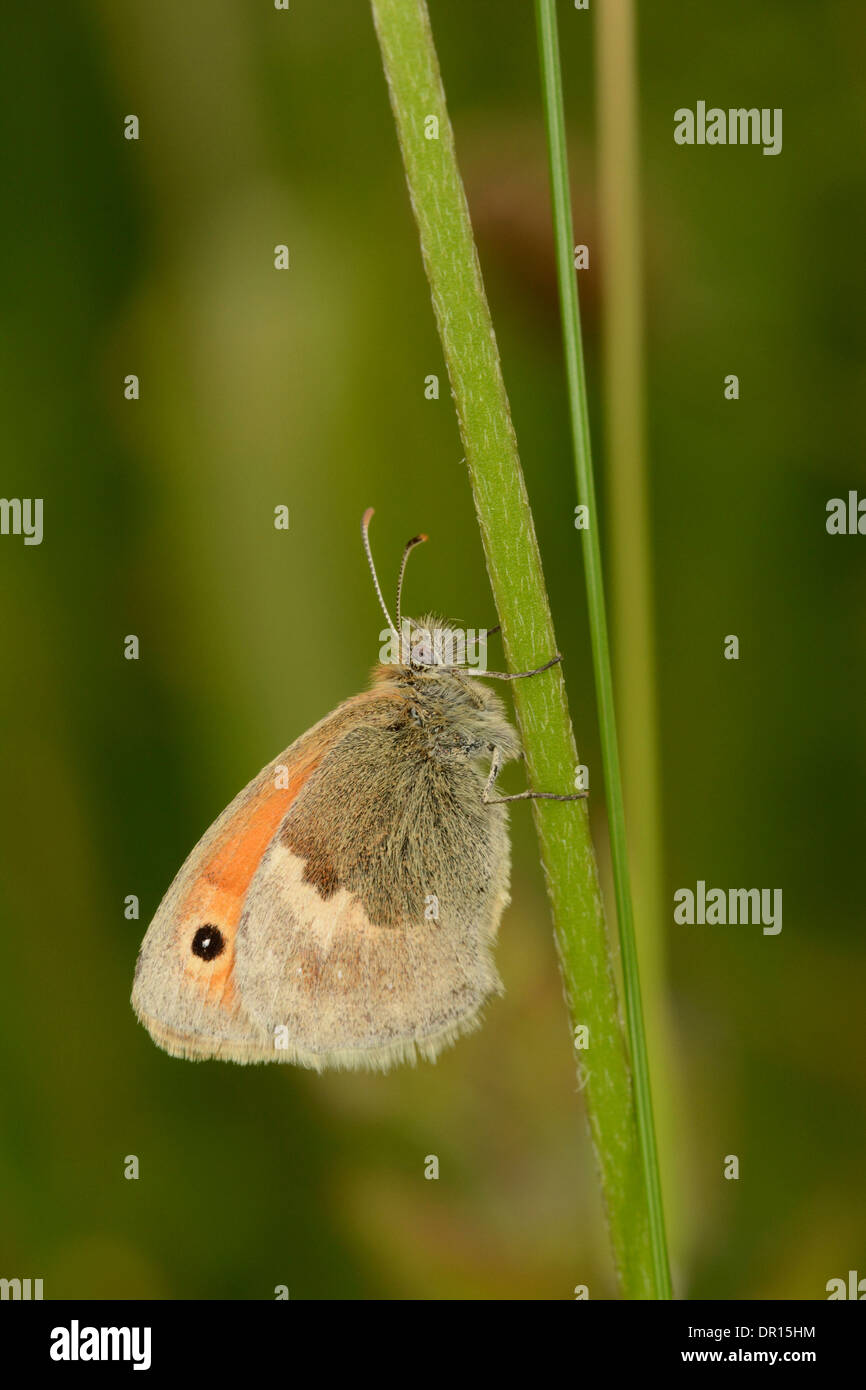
305, 388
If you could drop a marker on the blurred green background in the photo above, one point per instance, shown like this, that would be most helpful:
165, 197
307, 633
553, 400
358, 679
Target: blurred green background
307, 388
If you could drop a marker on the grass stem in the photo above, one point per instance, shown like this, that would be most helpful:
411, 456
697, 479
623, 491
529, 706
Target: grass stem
514, 566
548, 39
628, 541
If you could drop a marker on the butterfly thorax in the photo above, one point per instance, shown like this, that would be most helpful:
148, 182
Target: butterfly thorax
447, 712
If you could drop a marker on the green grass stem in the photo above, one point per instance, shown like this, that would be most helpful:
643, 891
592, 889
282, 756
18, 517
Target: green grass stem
548, 39
628, 543
514, 566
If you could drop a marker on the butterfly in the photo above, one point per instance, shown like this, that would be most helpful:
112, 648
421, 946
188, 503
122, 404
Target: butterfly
342, 910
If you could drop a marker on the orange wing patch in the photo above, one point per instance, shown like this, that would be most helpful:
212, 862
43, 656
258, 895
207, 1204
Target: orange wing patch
217, 897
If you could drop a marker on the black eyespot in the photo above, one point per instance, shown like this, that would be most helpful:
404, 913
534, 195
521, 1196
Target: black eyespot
208, 943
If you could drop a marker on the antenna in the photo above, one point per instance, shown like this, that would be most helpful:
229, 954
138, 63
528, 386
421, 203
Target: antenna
410, 546
365, 527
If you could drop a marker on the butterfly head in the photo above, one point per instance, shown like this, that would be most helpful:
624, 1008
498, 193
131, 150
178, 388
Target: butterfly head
432, 645
429, 645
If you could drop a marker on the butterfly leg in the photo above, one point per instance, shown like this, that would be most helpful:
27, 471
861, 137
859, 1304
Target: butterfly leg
496, 767
519, 675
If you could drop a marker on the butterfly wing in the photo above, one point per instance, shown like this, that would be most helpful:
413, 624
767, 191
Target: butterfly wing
340, 912
185, 991
367, 932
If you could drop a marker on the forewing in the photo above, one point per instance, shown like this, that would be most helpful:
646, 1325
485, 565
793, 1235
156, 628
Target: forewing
190, 1005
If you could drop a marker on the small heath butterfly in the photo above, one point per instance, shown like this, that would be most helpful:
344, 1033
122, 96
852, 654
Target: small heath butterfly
341, 912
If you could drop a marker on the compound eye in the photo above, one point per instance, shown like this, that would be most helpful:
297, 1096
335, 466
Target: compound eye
208, 943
